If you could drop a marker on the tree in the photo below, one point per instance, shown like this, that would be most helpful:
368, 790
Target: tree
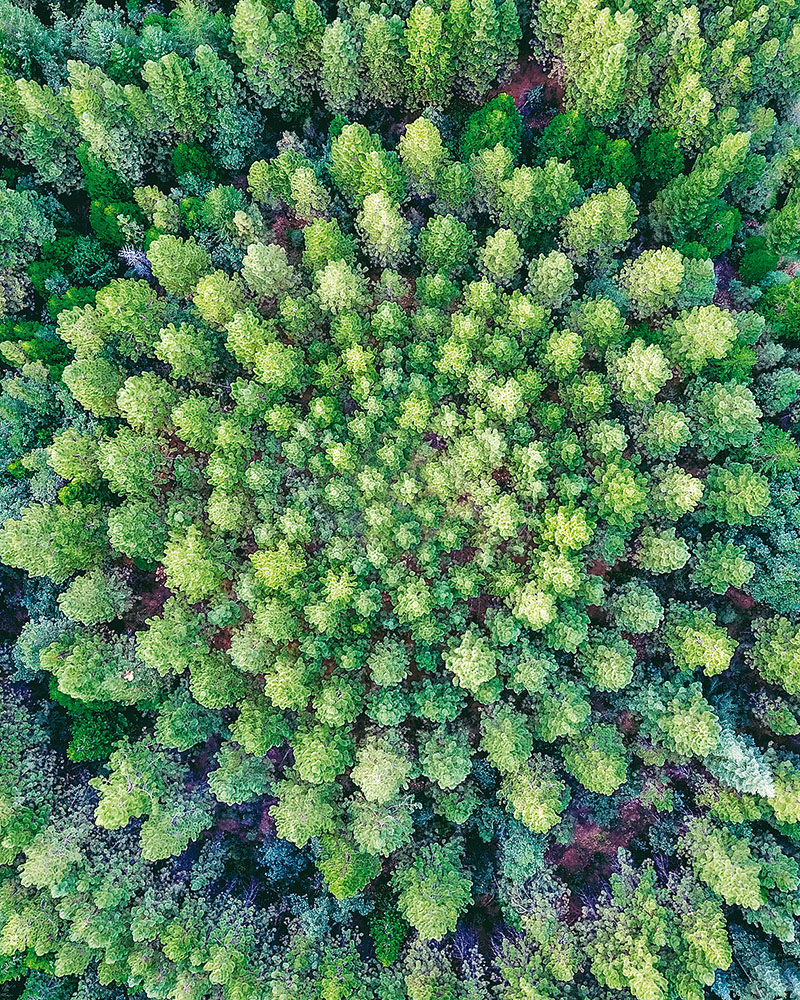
104, 118
41, 129
690, 206
360, 166
423, 154
736, 494
725, 863
621, 494
54, 541
217, 298
386, 233
186, 349
96, 597
240, 777
146, 402
661, 158
195, 564
696, 641
142, 783
130, 462
473, 661
676, 492
483, 36
325, 243
506, 739
597, 759
637, 608
607, 661
94, 382
90, 669
725, 416
304, 811
501, 256
279, 50
445, 757
340, 65
782, 228
259, 726
321, 753
346, 870
136, 530
528, 199
641, 372
182, 723
177, 95
700, 335
598, 320
601, 225
382, 768
781, 308
445, 244
598, 53
381, 828
652, 281
433, 890
267, 271
685, 104
340, 288
498, 121
178, 264
551, 278
721, 565
570, 136
25, 226
430, 70
631, 912
383, 55
775, 654
174, 641
535, 795
73, 455
309, 197
666, 431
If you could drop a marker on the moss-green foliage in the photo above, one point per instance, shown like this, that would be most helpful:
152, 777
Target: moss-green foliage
94, 735
497, 121
399, 505
660, 158
780, 306
592, 153
388, 931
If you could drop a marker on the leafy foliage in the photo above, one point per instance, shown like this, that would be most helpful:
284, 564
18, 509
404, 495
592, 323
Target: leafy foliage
399, 506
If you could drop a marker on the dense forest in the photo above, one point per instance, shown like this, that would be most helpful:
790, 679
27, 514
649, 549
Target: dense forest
400, 500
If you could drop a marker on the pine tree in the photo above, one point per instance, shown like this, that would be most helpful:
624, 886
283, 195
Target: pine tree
340, 54
598, 51
430, 69
384, 54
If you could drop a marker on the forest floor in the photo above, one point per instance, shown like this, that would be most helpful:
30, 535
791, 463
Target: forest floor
528, 75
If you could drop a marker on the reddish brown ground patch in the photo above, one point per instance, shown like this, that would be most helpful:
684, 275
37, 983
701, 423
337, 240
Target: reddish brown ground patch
527, 75
151, 603
266, 826
598, 568
222, 639
282, 225
739, 600
594, 848
725, 272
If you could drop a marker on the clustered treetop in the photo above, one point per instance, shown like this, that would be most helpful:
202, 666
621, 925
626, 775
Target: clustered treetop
406, 521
